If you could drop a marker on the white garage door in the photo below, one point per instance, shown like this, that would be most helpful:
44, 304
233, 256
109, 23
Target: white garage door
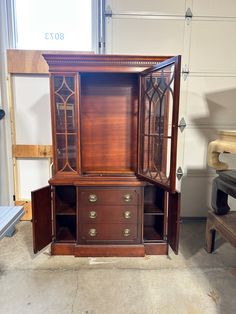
207, 43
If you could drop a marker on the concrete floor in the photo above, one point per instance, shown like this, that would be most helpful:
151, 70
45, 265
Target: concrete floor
192, 282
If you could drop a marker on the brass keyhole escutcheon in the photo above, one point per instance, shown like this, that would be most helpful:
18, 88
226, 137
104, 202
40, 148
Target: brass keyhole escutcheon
127, 197
92, 232
126, 232
92, 214
127, 214
92, 198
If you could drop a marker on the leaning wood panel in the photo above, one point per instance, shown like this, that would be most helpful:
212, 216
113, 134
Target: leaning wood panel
32, 151
27, 209
30, 61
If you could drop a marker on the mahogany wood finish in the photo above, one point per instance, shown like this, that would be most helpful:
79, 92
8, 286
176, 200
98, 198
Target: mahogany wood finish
109, 196
154, 249
41, 218
109, 107
109, 214
114, 127
109, 250
62, 248
173, 221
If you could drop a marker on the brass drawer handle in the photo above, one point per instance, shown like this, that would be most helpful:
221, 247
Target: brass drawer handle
92, 232
126, 232
127, 214
92, 214
127, 197
92, 198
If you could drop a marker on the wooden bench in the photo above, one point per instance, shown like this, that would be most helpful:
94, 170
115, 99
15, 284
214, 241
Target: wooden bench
222, 219
225, 225
9, 216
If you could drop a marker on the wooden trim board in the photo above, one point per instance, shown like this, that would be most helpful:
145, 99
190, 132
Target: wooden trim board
32, 151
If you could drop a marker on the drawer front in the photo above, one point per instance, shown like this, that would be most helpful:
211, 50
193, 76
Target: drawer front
108, 232
109, 214
126, 196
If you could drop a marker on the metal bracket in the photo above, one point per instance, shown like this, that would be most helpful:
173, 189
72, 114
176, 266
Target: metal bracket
182, 124
185, 72
179, 173
108, 12
188, 16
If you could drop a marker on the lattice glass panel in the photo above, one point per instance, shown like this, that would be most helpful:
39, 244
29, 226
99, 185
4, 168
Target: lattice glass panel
157, 123
65, 122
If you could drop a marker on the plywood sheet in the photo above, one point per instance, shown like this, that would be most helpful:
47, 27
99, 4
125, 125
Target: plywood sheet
27, 209
30, 61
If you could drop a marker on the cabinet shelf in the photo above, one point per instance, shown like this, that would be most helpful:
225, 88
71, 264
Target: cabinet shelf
151, 209
66, 213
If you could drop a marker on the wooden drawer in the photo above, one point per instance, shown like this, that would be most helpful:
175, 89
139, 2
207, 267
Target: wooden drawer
108, 196
108, 214
108, 232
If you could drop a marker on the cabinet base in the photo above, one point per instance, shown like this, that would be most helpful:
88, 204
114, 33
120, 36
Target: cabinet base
109, 250
138, 250
62, 248
156, 249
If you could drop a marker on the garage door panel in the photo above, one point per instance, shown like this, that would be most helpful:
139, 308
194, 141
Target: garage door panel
214, 8
211, 100
175, 7
197, 195
196, 145
147, 36
196, 148
212, 43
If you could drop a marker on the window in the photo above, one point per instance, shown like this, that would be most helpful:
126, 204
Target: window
54, 24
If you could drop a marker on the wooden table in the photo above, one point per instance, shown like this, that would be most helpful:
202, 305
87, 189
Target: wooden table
9, 216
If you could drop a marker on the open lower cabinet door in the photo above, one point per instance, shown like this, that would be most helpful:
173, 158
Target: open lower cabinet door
173, 221
158, 123
41, 218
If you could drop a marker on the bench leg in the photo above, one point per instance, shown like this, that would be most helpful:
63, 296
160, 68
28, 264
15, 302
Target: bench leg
210, 238
10, 232
219, 197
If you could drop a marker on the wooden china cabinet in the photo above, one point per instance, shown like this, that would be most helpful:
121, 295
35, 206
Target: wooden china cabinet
114, 125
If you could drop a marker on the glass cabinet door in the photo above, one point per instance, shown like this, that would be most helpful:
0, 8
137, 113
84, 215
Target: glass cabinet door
65, 123
158, 119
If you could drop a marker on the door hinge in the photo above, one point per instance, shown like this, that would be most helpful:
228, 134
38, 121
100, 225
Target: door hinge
188, 16
179, 173
185, 72
108, 12
14, 198
182, 124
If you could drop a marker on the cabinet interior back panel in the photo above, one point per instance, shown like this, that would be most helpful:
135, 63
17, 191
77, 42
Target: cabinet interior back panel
109, 107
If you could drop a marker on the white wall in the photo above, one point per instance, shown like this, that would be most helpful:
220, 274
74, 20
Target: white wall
207, 43
32, 127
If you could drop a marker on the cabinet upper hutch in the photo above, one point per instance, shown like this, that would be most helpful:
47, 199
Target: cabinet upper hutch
114, 126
